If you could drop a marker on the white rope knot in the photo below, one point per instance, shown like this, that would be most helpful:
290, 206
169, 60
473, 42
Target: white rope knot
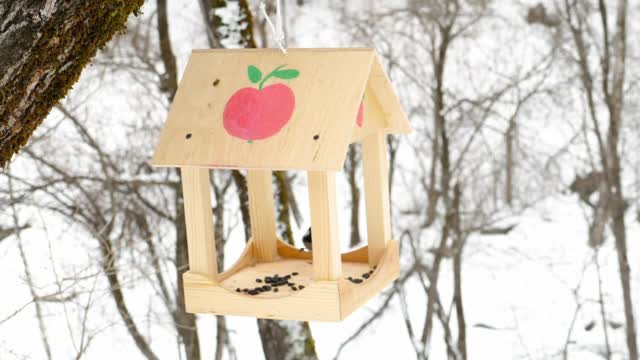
277, 31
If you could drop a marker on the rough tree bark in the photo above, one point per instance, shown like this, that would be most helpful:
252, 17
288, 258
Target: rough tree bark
44, 45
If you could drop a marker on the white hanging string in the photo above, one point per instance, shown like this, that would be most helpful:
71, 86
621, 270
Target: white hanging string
277, 30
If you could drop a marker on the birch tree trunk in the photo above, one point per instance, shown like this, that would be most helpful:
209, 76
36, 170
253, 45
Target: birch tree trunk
44, 45
280, 339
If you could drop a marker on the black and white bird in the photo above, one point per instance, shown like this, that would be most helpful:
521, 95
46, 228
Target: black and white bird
306, 240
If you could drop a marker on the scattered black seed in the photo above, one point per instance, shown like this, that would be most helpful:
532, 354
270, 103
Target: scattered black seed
350, 278
267, 288
216, 82
290, 284
258, 280
294, 289
300, 287
188, 136
357, 281
238, 290
287, 277
268, 279
365, 275
246, 290
375, 267
316, 137
275, 289
370, 272
294, 273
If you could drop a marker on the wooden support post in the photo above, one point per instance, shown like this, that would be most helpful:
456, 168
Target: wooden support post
262, 213
198, 215
376, 191
324, 225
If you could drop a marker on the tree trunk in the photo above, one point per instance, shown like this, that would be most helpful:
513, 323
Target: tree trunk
185, 322
439, 56
280, 339
509, 142
615, 101
240, 182
352, 172
458, 246
283, 209
44, 46
286, 340
222, 333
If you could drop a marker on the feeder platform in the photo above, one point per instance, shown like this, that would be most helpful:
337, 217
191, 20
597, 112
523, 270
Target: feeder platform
317, 300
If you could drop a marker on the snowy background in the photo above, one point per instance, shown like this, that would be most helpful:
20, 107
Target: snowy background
535, 292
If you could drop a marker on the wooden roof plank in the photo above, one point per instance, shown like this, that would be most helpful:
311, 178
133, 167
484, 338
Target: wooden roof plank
327, 92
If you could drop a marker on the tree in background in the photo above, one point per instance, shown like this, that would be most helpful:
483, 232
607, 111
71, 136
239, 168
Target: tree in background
593, 33
280, 339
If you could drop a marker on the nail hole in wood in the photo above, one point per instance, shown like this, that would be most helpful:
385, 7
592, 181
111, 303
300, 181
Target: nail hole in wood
188, 136
216, 82
316, 137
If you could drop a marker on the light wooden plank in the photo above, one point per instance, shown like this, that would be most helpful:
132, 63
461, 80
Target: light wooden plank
376, 192
324, 225
319, 301
246, 259
327, 91
374, 118
262, 213
389, 101
358, 255
199, 221
352, 296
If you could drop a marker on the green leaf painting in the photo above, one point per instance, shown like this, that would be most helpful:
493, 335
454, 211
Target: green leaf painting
255, 74
286, 74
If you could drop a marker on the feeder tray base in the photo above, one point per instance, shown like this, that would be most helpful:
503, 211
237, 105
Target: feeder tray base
317, 301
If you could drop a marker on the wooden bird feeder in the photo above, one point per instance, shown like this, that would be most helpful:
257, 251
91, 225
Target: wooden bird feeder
262, 110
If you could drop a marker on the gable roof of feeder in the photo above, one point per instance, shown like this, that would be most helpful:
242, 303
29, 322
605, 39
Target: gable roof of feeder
328, 88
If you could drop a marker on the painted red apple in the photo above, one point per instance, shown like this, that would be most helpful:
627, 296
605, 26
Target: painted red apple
255, 114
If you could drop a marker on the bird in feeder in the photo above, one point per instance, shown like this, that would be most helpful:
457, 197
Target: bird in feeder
306, 240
